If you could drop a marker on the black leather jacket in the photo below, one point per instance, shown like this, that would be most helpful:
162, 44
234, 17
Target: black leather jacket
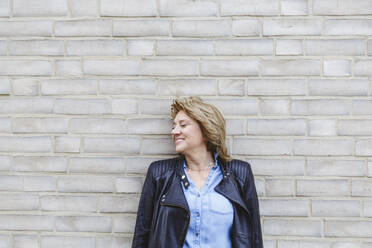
163, 215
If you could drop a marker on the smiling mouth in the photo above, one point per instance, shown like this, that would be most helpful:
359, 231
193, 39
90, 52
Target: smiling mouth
178, 141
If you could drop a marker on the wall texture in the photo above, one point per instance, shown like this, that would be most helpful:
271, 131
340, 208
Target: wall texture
85, 88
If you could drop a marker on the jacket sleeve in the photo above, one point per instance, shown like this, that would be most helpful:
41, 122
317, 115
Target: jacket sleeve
251, 200
145, 212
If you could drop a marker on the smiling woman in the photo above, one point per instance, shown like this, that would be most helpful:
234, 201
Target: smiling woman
202, 198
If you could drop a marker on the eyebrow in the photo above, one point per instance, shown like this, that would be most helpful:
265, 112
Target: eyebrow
182, 120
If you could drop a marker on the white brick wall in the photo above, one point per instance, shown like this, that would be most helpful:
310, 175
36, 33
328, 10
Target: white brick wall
85, 89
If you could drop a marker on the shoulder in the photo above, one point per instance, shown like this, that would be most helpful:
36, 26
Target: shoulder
159, 167
240, 169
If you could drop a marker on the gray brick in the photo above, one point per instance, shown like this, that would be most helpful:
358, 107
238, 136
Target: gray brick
235, 126
231, 87
288, 243
85, 184
317, 107
318, 244
363, 147
290, 67
348, 27
5, 125
363, 67
337, 67
4, 12
184, 47
156, 67
36, 47
289, 47
4, 86
342, 244
5, 164
244, 47
362, 107
367, 245
124, 106
83, 224
40, 8
67, 242
119, 204
25, 67
325, 187
158, 146
3, 46
294, 7
139, 164
236, 67
111, 145
250, 7
83, 28
128, 185
149, 126
292, 27
322, 127
278, 167
26, 28
97, 165
369, 49
269, 243
273, 207
188, 8
307, 228
97, 125
39, 183
279, 187
22, 241
335, 47
274, 107
113, 242
202, 28
246, 27
248, 146
155, 106
346, 168
67, 144
39, 163
187, 87
260, 186
337, 208
124, 224
361, 188
39, 125
276, 87
19, 202
140, 47
25, 87
81, 106
111, 67
94, 47
83, 8
68, 67
355, 127
368, 208
342, 7
270, 127
69, 203
25, 144
69, 87
26, 223
141, 28
127, 87
338, 87
323, 147
128, 8
339, 228
228, 106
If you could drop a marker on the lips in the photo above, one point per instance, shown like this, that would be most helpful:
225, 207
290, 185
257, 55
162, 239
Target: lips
178, 140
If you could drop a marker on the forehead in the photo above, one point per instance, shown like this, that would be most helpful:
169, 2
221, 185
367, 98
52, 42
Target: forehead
182, 116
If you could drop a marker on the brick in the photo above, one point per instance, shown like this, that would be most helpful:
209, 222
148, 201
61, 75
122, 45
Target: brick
248, 146
4, 86
22, 241
337, 68
124, 106
97, 125
5, 163
276, 87
26, 87
187, 87
277, 167
235, 126
269, 127
69, 87
3, 46
348, 27
188, 8
89, 184
369, 49
292, 27
67, 242
140, 28
94, 47
140, 47
83, 8
289, 47
322, 147
244, 47
338, 87
335, 47
184, 47
39, 163
307, 228
155, 106
111, 145
83, 224
335, 208
342, 7
124, 224
294, 7
290, 67
127, 87
40, 8
26, 28
369, 168
149, 126
97, 165
246, 27
39, 125
322, 127
367, 245
231, 87
236, 67
81, 106
111, 67
355, 127
325, 187
156, 67
362, 107
25, 67
269, 243
361, 188
228, 106
113, 242
346, 168
4, 12
67, 144
26, 106
363, 147
83, 28
158, 146
250, 7
279, 187
5, 125
128, 8
139, 164
318, 244
201, 28
339, 228
260, 186
271, 207
36, 47
363, 67
68, 67
119, 204
317, 107
274, 107
25, 144
128, 185
288, 243
344, 244
39, 183
367, 208
19, 202
26, 223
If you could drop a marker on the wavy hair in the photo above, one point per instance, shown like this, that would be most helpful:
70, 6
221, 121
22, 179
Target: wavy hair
210, 119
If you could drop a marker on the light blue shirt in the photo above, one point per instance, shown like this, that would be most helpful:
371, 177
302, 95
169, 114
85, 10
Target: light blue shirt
211, 213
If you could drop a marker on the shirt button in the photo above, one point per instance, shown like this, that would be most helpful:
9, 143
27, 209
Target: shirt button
197, 214
183, 177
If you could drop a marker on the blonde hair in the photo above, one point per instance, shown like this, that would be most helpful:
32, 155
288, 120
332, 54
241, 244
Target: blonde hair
210, 119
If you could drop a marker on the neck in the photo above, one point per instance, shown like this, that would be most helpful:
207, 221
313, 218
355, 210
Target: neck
199, 160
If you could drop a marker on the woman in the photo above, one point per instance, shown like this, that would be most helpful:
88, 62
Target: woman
201, 198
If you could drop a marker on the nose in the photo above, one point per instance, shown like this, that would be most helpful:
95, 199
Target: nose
175, 130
